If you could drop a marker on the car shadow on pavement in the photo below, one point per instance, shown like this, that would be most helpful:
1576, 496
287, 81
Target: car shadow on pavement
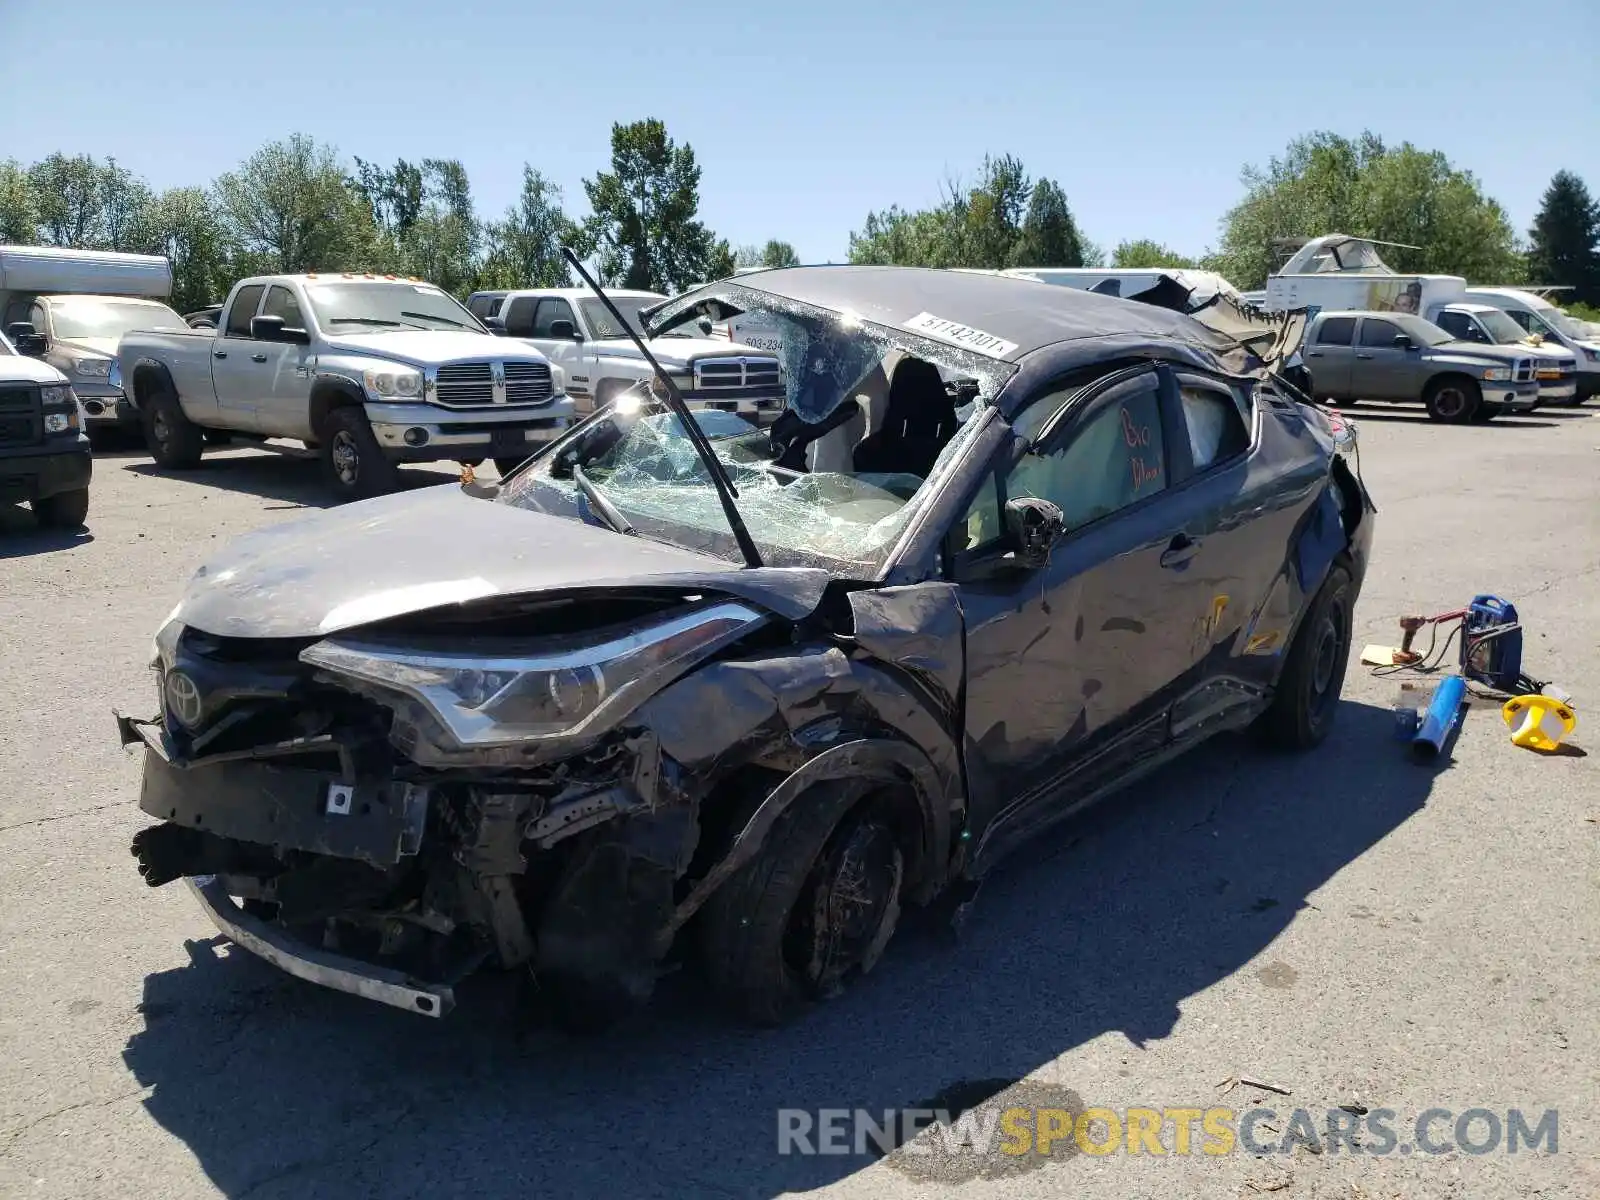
21, 535
289, 477
1106, 926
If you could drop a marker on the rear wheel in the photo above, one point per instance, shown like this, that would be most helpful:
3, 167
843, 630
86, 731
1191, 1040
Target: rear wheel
1307, 697
65, 510
817, 905
354, 463
1455, 399
174, 441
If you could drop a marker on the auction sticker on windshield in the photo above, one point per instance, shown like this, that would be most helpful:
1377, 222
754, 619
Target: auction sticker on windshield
958, 334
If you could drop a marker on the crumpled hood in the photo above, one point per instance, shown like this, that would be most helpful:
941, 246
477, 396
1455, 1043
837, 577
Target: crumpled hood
430, 349
16, 368
677, 352
439, 546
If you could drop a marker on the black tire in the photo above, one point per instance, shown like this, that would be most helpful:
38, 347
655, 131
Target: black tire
352, 460
507, 465
1487, 412
1453, 399
218, 437
174, 441
1307, 697
1338, 402
64, 510
768, 951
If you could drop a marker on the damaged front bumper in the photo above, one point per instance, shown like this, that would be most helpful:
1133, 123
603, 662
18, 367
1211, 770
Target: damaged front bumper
394, 988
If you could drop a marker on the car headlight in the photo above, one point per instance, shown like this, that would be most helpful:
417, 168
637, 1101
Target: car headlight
1591, 355
61, 422
391, 381
164, 646
538, 694
55, 393
91, 368
558, 381
1498, 373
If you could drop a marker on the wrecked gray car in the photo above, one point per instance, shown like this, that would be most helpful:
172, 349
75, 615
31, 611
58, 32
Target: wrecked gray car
699, 690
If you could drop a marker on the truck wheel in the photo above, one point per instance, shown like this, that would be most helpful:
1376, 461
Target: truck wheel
64, 510
355, 464
1487, 412
174, 441
1453, 399
816, 905
218, 437
1307, 696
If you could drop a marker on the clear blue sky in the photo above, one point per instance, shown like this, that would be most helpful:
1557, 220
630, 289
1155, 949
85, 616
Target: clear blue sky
806, 115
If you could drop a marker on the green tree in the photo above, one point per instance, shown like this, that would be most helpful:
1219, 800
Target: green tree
80, 202
186, 228
1143, 253
393, 195
1049, 235
989, 217
723, 261
1325, 183
643, 223
524, 248
776, 255
906, 238
440, 238
19, 217
1564, 243
290, 207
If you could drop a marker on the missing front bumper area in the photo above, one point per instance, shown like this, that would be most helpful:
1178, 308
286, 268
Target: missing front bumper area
394, 988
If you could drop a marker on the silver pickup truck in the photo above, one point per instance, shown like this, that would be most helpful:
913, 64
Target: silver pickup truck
369, 370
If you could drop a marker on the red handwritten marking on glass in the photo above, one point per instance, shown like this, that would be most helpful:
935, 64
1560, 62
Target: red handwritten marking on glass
1138, 437
1141, 473
1134, 435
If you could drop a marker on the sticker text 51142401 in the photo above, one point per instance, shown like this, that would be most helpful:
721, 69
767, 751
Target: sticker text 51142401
958, 334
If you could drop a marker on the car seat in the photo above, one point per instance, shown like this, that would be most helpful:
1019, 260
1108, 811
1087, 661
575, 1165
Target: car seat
919, 418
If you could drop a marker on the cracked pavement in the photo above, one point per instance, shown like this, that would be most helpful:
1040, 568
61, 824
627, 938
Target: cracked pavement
1355, 928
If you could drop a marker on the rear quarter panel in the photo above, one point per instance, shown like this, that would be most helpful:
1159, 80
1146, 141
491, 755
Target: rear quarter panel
186, 359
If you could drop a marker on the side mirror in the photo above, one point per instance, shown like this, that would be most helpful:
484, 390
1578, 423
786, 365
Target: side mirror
272, 329
1033, 527
564, 331
705, 326
29, 341
495, 326
1403, 342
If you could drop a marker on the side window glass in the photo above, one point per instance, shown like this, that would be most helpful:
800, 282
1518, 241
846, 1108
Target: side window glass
551, 311
244, 307
519, 316
1521, 318
1455, 324
1381, 334
281, 303
1336, 331
1116, 458
1217, 430
980, 524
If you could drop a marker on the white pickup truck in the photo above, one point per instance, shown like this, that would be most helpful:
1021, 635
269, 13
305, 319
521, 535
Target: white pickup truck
576, 331
369, 370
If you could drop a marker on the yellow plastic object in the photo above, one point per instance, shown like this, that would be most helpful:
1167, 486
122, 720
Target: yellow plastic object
1538, 722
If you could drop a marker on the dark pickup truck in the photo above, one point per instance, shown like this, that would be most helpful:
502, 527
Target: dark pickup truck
45, 458
1397, 356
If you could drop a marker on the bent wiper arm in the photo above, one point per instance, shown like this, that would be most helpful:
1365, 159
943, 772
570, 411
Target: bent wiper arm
726, 492
609, 512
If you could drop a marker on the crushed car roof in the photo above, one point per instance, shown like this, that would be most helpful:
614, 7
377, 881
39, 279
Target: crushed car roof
998, 317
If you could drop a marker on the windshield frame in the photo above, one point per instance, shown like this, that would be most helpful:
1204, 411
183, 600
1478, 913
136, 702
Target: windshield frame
1489, 316
467, 323
58, 306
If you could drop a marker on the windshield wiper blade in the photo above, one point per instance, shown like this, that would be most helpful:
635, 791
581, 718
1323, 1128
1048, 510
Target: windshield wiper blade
727, 494
609, 512
436, 317
364, 321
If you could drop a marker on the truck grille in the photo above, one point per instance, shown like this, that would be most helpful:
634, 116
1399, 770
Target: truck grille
730, 374
1524, 370
19, 416
474, 384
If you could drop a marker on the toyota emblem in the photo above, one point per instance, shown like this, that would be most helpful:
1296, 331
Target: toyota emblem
183, 698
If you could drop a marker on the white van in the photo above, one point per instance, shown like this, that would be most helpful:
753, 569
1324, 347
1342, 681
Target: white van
1341, 272
80, 303
1538, 315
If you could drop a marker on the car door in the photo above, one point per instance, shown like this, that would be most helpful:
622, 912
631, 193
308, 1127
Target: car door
1382, 370
570, 352
238, 376
284, 405
1330, 356
1069, 667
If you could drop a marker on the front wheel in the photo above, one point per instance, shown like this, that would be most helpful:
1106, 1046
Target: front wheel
354, 463
64, 510
1454, 400
816, 905
1303, 707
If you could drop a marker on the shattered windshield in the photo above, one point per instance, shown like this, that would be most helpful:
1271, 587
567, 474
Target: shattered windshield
604, 325
833, 482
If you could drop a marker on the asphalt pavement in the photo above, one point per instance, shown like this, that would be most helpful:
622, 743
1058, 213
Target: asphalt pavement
1243, 930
